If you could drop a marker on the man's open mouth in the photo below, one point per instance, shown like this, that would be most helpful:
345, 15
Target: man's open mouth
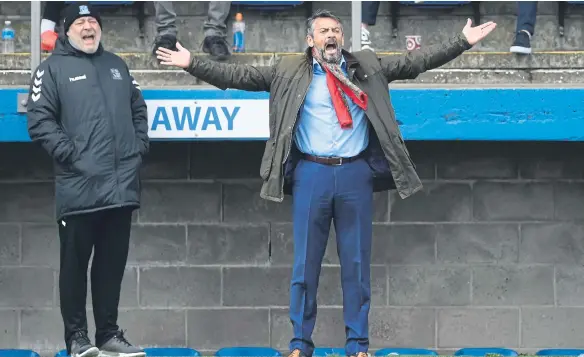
88, 37
330, 48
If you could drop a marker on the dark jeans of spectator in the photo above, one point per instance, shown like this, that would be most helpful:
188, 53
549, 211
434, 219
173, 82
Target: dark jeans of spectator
215, 25
526, 14
369, 11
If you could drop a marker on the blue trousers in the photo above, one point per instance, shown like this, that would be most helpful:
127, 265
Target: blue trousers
526, 16
344, 195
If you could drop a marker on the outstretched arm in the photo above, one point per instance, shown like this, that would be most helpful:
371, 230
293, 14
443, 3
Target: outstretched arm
412, 64
221, 75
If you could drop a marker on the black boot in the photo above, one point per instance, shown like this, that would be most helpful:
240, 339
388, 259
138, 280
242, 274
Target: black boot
217, 47
166, 41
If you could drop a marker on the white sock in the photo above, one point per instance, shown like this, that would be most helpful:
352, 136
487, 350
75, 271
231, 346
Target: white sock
47, 25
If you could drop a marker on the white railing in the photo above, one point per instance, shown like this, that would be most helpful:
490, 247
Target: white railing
35, 35
356, 25
35, 31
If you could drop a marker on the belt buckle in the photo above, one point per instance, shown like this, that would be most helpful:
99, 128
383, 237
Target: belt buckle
340, 161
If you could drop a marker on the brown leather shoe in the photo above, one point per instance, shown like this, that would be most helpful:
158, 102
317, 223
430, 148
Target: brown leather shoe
298, 353
361, 354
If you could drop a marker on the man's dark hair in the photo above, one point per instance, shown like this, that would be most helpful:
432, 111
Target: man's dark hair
318, 15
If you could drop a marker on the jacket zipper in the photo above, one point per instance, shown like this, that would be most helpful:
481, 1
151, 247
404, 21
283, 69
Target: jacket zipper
294, 124
113, 132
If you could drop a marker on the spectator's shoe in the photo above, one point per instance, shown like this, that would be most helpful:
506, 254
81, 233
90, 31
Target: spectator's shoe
48, 40
522, 43
82, 347
216, 47
365, 41
361, 354
118, 346
166, 41
296, 353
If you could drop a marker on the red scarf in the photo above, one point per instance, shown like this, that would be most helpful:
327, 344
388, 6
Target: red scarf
337, 81
335, 85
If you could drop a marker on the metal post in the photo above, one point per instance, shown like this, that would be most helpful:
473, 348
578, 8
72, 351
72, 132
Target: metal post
356, 25
35, 35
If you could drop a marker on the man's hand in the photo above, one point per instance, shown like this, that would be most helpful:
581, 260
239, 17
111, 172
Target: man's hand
180, 58
475, 34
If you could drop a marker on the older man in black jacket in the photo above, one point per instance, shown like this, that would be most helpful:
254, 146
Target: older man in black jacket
88, 113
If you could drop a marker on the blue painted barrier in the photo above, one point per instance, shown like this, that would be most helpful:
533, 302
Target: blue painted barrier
385, 352
10, 352
484, 351
252, 351
171, 352
560, 352
423, 114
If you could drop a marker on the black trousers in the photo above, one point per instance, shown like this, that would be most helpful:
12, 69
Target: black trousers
107, 234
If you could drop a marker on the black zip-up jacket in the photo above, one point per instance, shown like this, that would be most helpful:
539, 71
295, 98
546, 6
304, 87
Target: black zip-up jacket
88, 113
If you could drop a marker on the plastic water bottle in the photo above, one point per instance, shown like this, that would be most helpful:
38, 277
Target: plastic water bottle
239, 33
8, 35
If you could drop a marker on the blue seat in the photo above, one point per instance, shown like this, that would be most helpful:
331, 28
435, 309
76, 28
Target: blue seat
153, 351
405, 351
559, 352
483, 351
171, 352
247, 351
326, 351
18, 353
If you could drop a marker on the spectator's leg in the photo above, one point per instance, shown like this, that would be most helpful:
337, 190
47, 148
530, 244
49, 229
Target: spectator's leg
369, 11
215, 29
526, 15
51, 15
166, 31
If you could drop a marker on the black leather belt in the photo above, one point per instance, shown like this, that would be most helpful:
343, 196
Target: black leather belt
333, 161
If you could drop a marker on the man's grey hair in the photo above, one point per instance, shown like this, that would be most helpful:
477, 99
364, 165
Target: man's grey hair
319, 14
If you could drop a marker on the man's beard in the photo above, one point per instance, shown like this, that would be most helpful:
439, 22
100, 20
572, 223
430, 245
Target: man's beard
78, 44
332, 59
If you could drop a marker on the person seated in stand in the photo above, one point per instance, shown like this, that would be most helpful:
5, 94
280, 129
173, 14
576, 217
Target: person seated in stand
526, 16
215, 27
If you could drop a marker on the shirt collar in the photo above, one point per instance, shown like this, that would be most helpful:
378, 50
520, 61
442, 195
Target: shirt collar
316, 65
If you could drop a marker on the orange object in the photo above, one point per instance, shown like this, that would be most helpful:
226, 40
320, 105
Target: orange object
48, 39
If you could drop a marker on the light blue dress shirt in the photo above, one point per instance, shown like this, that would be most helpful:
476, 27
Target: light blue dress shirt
319, 132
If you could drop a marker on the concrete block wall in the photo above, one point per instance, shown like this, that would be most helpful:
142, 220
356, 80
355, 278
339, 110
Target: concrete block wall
490, 253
